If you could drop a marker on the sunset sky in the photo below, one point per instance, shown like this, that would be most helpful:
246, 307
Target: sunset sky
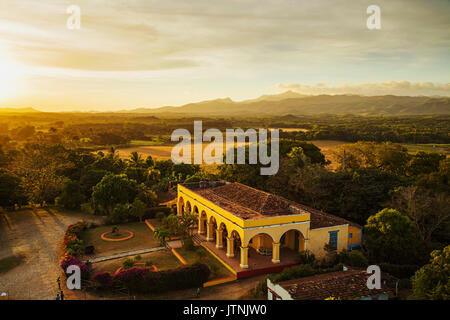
149, 53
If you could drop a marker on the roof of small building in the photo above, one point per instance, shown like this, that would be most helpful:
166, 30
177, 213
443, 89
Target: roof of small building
250, 203
350, 284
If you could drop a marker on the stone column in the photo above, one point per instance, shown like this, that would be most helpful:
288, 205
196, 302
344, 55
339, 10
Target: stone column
201, 226
219, 240
209, 231
230, 247
244, 257
276, 252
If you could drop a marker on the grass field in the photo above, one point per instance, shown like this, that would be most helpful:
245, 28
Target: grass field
437, 148
143, 239
162, 259
200, 255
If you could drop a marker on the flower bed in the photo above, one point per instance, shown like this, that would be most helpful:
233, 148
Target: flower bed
73, 247
145, 280
129, 236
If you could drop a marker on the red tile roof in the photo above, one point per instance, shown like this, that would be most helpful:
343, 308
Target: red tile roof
249, 203
350, 284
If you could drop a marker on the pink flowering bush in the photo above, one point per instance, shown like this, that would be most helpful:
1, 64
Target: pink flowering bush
103, 279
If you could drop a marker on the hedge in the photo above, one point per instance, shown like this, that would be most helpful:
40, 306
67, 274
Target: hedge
145, 280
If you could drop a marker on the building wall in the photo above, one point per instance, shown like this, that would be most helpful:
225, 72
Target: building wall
318, 238
355, 240
313, 240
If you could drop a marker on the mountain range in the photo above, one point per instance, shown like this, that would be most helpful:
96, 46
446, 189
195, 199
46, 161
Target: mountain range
297, 104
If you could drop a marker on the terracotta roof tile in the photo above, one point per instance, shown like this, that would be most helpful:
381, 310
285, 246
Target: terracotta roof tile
348, 284
249, 203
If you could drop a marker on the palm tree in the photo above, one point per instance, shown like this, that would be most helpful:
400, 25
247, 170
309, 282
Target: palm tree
135, 159
161, 234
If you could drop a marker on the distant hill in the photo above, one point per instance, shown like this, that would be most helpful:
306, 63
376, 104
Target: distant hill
18, 110
291, 103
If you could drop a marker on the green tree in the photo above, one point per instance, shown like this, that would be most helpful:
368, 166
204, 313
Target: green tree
424, 163
432, 281
119, 213
138, 209
11, 191
162, 234
114, 189
391, 237
71, 196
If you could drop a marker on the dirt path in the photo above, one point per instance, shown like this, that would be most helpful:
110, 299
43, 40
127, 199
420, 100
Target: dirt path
37, 234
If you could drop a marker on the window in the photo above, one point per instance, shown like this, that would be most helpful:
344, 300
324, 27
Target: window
350, 235
333, 239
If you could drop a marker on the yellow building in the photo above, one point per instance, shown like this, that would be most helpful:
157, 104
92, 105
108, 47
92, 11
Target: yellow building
239, 218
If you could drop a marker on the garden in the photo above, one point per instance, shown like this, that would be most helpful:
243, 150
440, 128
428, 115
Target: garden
138, 234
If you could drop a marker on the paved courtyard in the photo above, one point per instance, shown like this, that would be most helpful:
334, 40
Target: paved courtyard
37, 234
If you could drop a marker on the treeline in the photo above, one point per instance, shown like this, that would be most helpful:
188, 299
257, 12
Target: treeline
87, 130
376, 177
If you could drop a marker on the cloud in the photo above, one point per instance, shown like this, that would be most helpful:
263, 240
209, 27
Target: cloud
372, 89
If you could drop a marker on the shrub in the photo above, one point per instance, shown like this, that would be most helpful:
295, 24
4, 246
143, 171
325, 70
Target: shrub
68, 261
307, 257
119, 214
138, 257
86, 208
160, 216
128, 263
353, 258
303, 270
144, 280
102, 279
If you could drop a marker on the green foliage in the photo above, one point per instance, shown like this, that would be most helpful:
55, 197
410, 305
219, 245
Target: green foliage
114, 189
145, 281
11, 191
162, 234
391, 237
424, 163
119, 214
307, 257
128, 263
432, 281
160, 216
303, 270
353, 258
71, 196
138, 209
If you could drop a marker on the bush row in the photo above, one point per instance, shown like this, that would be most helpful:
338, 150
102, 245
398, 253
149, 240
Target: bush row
145, 280
73, 246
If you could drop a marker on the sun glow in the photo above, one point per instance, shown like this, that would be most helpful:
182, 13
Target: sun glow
10, 73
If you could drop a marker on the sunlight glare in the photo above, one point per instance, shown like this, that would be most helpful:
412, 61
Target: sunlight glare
9, 75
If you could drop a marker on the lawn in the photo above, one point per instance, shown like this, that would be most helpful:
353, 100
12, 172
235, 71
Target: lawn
162, 259
10, 262
199, 254
436, 148
143, 239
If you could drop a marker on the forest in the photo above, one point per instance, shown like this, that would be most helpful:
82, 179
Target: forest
400, 197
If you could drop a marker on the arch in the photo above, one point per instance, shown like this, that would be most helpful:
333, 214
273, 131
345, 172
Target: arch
188, 207
293, 239
262, 243
195, 210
